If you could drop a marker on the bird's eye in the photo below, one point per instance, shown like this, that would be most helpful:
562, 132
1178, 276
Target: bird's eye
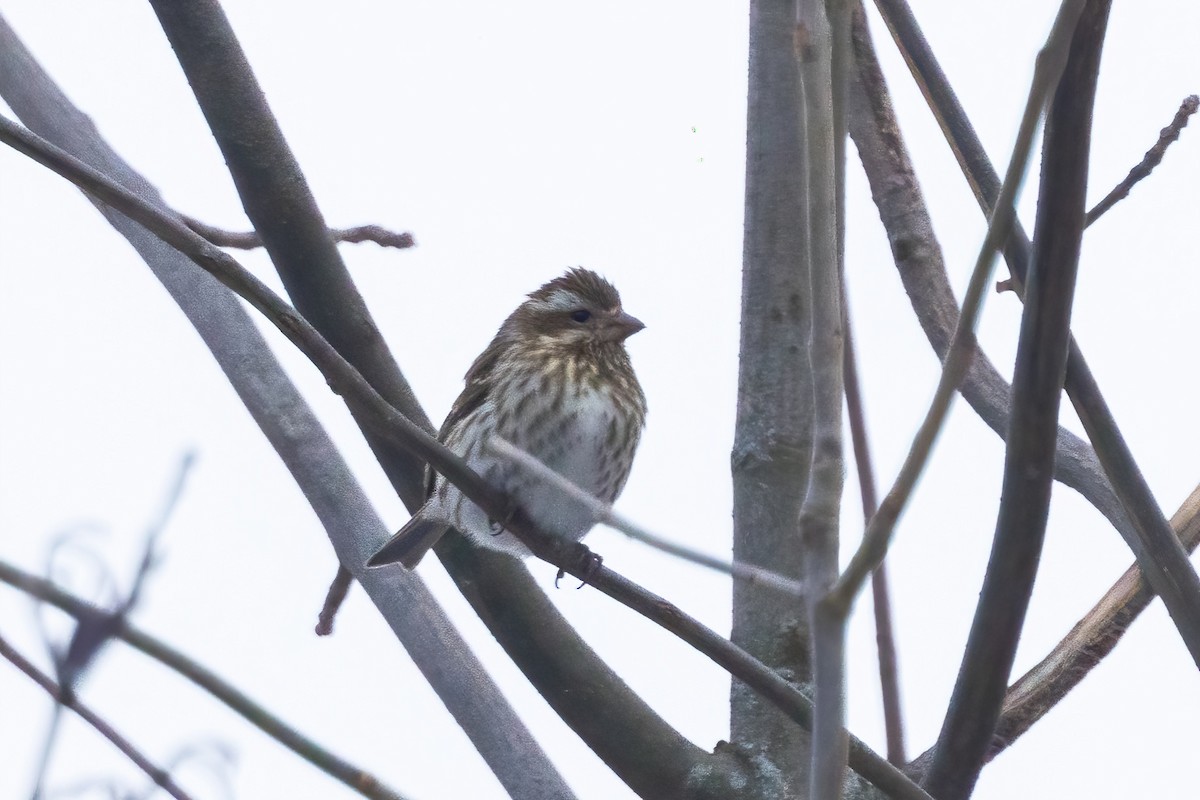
581, 315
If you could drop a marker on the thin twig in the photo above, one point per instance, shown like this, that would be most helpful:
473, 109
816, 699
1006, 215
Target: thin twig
93, 632
604, 513
160, 777
1041, 362
875, 542
1152, 159
885, 639
573, 557
361, 781
339, 587
250, 240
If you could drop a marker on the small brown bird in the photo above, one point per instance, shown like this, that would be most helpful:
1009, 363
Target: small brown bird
556, 382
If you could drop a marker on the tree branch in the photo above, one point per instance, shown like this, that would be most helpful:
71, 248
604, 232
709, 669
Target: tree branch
1152, 159
885, 640
1037, 391
918, 257
603, 512
1138, 519
356, 778
160, 777
1092, 638
572, 556
879, 529
250, 240
822, 38
262, 166
353, 526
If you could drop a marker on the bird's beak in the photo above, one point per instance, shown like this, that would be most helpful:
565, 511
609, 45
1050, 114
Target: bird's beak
624, 326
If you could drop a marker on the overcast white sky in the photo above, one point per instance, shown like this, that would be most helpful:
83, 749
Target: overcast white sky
514, 140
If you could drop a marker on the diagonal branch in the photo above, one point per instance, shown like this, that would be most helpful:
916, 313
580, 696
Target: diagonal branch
921, 266
160, 777
1092, 638
571, 556
1144, 526
1152, 159
1037, 392
358, 779
604, 513
272, 187
1050, 61
352, 524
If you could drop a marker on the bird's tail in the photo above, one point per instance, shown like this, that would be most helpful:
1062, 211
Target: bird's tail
410, 544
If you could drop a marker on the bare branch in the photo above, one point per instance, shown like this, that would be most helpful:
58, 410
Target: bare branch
921, 267
822, 38
351, 522
885, 640
642, 749
361, 781
572, 557
1041, 363
1092, 638
604, 513
160, 777
250, 240
1138, 518
875, 542
1152, 159
338, 589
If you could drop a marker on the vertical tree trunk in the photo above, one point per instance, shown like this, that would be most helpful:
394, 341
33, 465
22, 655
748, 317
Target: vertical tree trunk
773, 441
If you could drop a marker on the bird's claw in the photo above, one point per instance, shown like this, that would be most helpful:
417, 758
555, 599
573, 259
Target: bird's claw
594, 562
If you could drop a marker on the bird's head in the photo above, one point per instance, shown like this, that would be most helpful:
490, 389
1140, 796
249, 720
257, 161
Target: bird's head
579, 309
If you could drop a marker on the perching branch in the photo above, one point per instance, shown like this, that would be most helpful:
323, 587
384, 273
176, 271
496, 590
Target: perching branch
572, 557
356, 778
250, 240
603, 512
160, 777
1152, 159
268, 180
1038, 375
352, 524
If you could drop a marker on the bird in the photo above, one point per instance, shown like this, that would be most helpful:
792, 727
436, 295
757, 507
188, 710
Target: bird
557, 382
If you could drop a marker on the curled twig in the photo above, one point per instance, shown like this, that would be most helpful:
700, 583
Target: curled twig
250, 240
